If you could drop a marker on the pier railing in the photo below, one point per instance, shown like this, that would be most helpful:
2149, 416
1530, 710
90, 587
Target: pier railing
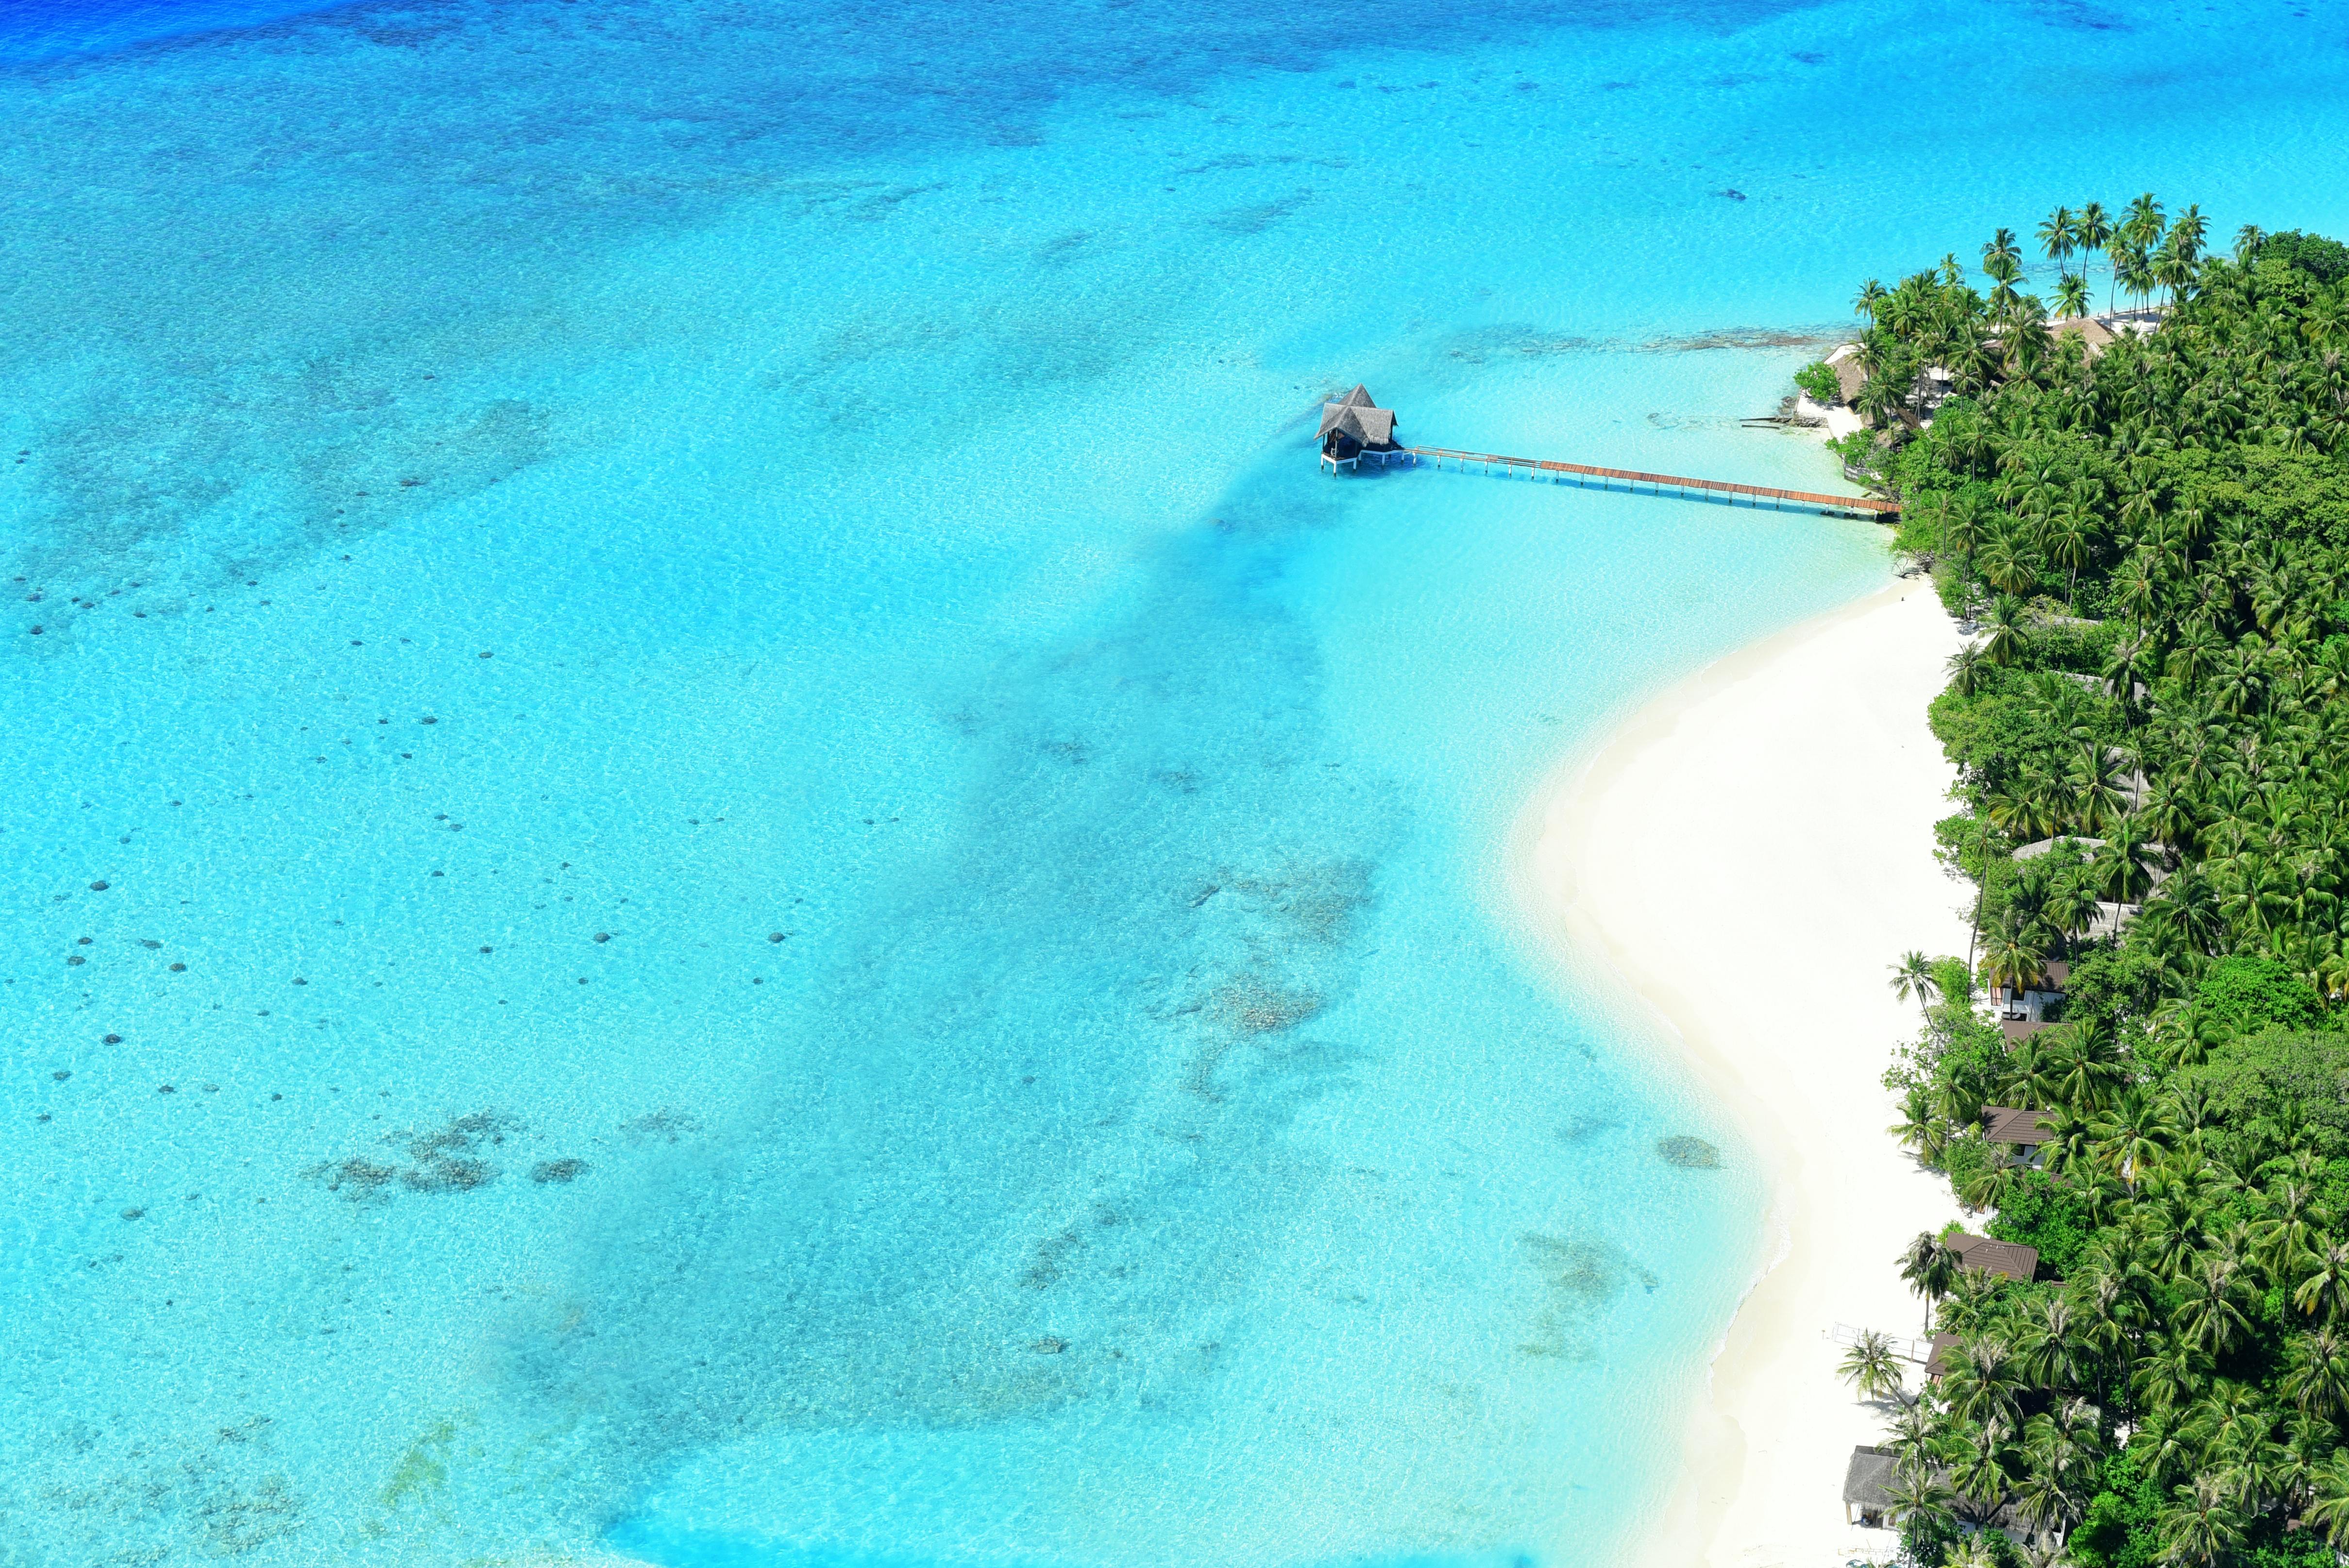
1632, 481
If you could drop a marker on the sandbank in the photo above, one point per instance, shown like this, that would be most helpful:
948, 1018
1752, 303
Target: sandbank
1746, 858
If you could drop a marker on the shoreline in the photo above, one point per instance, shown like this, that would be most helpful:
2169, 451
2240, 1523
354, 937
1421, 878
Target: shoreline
1745, 856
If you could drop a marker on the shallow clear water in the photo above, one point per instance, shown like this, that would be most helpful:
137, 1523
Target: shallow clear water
842, 474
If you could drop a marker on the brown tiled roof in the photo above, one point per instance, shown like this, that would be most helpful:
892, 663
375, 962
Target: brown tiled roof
2021, 1028
2025, 1129
2005, 1259
1937, 1355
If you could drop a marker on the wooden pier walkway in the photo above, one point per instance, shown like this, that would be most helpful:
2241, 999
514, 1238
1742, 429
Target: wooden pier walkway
1636, 482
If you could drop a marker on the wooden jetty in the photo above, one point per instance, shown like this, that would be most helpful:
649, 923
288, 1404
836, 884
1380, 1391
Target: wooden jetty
1661, 484
1630, 481
1355, 431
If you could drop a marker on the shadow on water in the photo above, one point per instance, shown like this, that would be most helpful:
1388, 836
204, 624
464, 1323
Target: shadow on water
1026, 1147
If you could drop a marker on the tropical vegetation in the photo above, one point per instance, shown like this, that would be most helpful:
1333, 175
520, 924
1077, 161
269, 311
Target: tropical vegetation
2147, 538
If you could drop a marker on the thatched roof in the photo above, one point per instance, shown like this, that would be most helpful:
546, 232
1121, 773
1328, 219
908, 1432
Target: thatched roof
1355, 415
1867, 1480
1849, 377
2094, 334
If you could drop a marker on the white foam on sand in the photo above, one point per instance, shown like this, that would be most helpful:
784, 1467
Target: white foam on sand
1748, 855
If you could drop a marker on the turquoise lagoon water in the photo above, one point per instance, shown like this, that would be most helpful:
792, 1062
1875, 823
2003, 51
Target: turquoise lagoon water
834, 910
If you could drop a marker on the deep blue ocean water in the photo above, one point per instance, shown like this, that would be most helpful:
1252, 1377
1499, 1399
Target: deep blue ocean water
834, 909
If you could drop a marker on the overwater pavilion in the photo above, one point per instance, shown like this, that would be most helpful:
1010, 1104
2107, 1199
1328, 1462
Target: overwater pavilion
1354, 426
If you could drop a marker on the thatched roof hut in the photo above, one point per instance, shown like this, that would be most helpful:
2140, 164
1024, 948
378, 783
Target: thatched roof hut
1849, 377
2094, 334
1867, 1483
1353, 424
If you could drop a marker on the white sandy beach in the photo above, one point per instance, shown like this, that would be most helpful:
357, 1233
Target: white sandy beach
1750, 853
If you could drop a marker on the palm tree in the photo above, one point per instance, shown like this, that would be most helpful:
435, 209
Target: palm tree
1928, 1267
1967, 1310
2001, 259
2185, 233
2002, 563
2290, 1227
2047, 1348
2009, 638
1880, 400
1935, 508
2012, 959
2069, 1150
1919, 1498
2330, 1511
2201, 1526
2185, 1034
2247, 240
2092, 230
2059, 1458
2097, 798
2134, 1134
1921, 1131
2123, 865
2209, 1309
1967, 520
1871, 299
2058, 232
2171, 268
2029, 1082
2072, 295
2134, 270
2168, 1374
2068, 537
1965, 669
2142, 225
2319, 1379
1870, 1367
2326, 1290
1912, 979
1985, 1461
2087, 1066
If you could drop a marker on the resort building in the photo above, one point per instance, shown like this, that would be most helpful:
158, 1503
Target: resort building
1849, 377
1354, 425
2006, 1260
1870, 1478
2020, 1131
1867, 1483
2029, 1004
2094, 334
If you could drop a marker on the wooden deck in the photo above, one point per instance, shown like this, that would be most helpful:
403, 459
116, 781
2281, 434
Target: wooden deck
1636, 482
